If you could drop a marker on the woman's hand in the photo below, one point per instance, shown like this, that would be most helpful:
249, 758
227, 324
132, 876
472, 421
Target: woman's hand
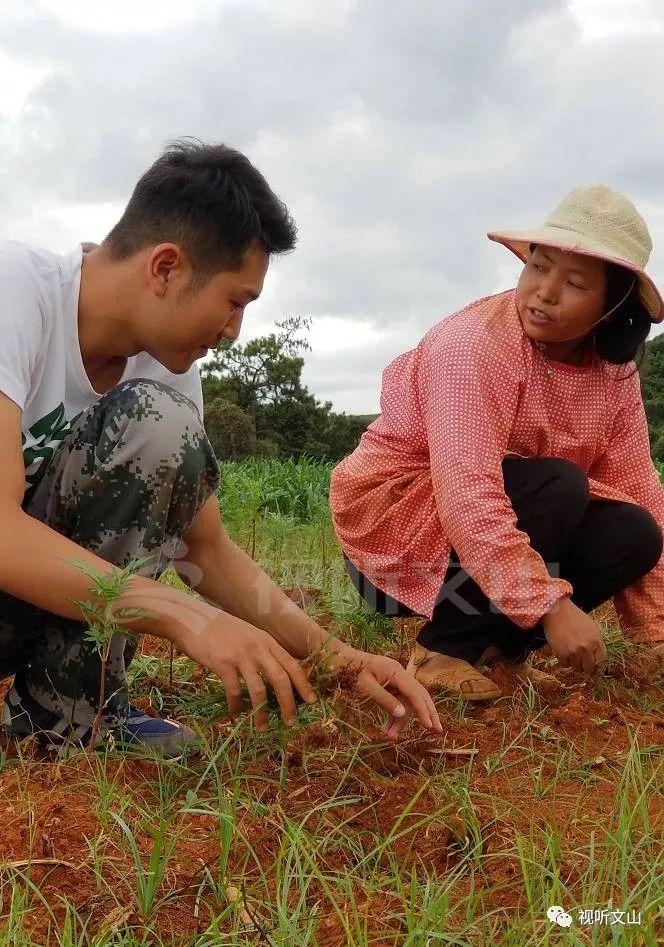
575, 639
387, 682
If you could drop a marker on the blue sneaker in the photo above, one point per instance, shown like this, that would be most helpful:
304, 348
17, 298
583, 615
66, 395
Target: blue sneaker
23, 716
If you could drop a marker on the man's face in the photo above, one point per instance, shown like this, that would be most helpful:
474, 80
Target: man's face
188, 323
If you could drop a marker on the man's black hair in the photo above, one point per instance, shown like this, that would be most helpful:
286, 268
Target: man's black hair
208, 199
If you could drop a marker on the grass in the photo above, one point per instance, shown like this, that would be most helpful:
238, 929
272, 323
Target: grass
324, 834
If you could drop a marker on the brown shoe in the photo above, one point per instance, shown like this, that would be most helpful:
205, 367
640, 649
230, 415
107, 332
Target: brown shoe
522, 669
528, 673
441, 672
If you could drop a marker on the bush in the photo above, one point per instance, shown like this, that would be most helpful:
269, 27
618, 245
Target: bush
266, 447
230, 430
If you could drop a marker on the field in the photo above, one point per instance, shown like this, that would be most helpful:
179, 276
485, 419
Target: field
326, 834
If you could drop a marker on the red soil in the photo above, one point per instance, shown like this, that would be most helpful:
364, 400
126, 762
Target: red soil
50, 810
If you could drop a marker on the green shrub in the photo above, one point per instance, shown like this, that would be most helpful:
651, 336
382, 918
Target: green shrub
266, 447
230, 430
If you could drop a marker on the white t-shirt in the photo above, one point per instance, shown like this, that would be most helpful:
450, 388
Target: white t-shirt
41, 368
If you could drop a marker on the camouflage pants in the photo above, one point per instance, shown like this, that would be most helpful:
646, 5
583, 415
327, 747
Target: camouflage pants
127, 482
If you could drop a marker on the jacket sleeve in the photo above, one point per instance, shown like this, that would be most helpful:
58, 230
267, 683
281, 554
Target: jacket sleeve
626, 466
469, 391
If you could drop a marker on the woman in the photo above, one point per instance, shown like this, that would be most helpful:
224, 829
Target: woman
507, 487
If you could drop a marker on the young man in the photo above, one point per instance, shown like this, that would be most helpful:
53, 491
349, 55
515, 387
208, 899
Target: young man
106, 460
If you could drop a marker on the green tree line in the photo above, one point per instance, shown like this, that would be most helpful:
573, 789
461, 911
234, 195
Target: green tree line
652, 388
256, 404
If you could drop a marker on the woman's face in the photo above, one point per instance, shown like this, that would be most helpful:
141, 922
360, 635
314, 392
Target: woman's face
560, 295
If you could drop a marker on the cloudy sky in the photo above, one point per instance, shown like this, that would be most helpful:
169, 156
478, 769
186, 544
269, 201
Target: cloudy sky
398, 131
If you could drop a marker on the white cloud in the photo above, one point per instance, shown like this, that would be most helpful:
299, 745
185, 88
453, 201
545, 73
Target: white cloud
601, 18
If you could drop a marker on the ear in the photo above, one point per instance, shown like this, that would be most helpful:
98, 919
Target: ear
166, 266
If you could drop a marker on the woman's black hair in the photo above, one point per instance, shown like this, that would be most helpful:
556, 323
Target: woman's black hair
622, 337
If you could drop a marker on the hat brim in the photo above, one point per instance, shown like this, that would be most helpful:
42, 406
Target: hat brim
519, 241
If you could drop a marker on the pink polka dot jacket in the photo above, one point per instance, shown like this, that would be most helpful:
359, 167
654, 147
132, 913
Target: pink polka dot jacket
426, 476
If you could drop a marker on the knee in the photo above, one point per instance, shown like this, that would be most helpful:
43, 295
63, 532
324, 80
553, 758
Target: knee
157, 427
164, 410
647, 537
569, 482
563, 482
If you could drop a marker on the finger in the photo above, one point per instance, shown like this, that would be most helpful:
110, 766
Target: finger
394, 727
233, 692
297, 675
369, 686
416, 697
579, 662
588, 661
281, 684
437, 724
257, 694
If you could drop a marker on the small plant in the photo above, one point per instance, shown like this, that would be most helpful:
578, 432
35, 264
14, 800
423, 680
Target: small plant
149, 880
104, 620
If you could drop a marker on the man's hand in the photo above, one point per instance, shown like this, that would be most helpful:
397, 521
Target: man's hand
234, 649
575, 639
386, 682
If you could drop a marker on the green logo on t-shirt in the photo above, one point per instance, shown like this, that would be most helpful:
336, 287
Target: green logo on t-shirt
48, 433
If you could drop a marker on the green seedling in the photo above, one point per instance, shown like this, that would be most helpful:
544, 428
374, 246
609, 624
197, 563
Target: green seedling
105, 620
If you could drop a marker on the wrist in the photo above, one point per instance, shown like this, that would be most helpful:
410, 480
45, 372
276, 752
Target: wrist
172, 614
336, 651
560, 607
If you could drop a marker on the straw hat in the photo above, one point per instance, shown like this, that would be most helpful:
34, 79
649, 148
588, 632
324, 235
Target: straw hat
598, 222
